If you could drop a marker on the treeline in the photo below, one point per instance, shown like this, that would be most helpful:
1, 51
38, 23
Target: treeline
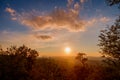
23, 63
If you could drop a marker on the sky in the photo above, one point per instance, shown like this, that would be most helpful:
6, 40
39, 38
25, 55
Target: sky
49, 26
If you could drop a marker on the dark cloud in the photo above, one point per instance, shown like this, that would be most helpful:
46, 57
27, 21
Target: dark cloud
43, 37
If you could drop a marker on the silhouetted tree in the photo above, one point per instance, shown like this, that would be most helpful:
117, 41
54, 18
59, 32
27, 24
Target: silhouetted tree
110, 47
17, 63
109, 42
82, 58
113, 2
81, 70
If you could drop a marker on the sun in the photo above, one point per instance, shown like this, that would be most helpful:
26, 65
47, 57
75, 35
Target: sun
67, 50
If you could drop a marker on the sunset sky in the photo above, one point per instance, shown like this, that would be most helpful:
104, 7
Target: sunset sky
49, 26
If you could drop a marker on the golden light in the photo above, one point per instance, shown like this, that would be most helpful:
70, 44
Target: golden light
67, 50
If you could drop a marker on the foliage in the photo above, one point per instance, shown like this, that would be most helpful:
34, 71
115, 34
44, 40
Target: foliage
47, 69
82, 72
16, 63
113, 2
110, 43
111, 73
82, 58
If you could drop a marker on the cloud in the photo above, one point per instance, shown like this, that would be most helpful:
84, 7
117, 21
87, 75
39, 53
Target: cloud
95, 20
43, 37
92, 22
104, 19
82, 1
11, 11
14, 18
31, 39
69, 18
57, 19
69, 3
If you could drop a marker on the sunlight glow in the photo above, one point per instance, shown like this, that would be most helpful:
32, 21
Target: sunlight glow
67, 50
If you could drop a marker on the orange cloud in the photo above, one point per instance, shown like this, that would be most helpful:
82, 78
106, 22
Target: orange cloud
11, 11
57, 19
14, 18
68, 19
82, 1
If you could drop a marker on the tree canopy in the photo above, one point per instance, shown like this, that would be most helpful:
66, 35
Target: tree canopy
17, 63
113, 2
109, 41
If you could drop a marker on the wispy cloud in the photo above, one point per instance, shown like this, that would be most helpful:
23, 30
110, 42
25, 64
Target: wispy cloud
11, 11
97, 20
104, 19
82, 1
70, 3
43, 37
